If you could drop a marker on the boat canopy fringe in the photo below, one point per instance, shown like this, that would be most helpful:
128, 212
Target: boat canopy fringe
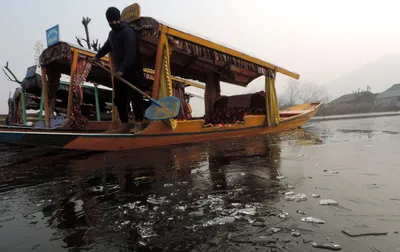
149, 27
179, 92
191, 60
272, 109
59, 52
80, 73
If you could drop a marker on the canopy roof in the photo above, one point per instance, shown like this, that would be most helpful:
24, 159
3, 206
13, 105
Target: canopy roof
194, 57
60, 55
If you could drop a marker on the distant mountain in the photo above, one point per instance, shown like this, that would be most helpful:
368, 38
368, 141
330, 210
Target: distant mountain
379, 74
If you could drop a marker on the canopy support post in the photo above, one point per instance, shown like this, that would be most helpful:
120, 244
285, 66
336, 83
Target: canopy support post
23, 105
113, 107
211, 94
45, 97
159, 59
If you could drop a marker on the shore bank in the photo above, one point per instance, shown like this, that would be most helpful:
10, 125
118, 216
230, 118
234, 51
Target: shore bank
354, 116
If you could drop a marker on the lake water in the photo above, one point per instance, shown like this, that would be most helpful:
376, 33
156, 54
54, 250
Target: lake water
232, 195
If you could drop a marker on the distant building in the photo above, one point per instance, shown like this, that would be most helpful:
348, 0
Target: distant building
364, 97
359, 102
389, 99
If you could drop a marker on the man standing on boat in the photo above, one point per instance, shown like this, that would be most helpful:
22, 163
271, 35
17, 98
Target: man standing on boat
123, 44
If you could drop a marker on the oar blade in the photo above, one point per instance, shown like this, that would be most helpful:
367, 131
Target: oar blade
170, 106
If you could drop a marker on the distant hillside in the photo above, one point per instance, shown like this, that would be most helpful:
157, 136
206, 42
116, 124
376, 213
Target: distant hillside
379, 74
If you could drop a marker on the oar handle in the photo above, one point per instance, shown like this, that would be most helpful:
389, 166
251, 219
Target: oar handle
127, 83
155, 102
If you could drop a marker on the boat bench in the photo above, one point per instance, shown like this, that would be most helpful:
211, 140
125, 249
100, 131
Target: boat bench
235, 114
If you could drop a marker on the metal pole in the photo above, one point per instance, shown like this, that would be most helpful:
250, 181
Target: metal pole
96, 93
41, 106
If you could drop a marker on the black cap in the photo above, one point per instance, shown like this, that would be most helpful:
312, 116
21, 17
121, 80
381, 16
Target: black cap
113, 14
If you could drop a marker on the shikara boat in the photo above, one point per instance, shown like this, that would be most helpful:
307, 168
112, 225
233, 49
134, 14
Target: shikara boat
171, 53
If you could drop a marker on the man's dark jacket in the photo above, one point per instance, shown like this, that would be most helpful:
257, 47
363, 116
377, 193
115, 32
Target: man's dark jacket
123, 43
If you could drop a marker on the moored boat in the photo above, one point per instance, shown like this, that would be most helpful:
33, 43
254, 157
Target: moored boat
96, 100
171, 53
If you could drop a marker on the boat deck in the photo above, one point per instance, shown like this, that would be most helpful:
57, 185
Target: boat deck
96, 128
156, 134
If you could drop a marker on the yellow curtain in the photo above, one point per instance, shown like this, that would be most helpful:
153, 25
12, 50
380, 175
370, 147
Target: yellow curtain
272, 109
166, 81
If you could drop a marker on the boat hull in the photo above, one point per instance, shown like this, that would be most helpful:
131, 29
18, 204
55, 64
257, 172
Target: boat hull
157, 134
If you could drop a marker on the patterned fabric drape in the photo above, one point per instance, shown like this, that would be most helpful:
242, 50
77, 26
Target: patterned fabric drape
51, 54
188, 111
200, 51
272, 108
179, 91
166, 81
78, 121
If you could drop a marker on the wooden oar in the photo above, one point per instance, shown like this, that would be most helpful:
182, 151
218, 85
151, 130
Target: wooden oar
165, 108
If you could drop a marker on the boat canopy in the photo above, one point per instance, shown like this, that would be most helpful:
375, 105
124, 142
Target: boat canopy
193, 57
70, 59
60, 57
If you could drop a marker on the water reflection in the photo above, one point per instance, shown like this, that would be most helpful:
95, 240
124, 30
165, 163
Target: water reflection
210, 197
155, 196
165, 198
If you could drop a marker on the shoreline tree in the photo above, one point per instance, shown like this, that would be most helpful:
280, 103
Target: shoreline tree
297, 93
38, 48
14, 79
91, 46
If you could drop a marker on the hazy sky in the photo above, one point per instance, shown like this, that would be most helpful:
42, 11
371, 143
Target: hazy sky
321, 40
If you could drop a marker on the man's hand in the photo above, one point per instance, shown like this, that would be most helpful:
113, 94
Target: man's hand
94, 60
119, 74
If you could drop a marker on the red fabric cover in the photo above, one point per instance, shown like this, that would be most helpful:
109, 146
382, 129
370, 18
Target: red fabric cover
228, 110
